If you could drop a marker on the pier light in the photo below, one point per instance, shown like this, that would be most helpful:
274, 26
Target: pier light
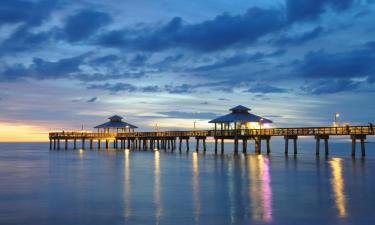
336, 123
156, 149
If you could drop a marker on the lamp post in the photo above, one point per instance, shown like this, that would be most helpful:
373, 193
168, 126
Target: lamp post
194, 124
337, 115
260, 123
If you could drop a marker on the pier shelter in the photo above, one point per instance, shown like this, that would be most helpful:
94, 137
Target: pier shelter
115, 125
239, 118
236, 124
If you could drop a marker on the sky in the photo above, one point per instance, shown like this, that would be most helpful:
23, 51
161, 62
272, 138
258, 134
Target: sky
67, 64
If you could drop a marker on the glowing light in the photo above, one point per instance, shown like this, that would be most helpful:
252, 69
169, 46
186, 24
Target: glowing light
127, 212
158, 207
195, 181
337, 183
156, 149
260, 193
10, 132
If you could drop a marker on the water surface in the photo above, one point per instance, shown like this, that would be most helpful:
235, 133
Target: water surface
38, 186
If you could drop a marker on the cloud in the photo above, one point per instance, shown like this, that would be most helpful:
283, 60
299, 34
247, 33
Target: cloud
93, 99
330, 86
221, 32
238, 59
298, 10
300, 38
32, 13
350, 64
189, 115
114, 88
84, 24
41, 69
266, 89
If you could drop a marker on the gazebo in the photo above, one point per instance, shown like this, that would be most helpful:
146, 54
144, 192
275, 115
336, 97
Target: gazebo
114, 125
239, 118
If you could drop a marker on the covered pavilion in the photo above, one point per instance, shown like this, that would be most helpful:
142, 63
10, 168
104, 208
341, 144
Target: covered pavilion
115, 125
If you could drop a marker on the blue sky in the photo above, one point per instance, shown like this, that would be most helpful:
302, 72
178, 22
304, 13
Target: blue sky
68, 63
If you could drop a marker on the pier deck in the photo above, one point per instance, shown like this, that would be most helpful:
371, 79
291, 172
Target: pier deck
167, 139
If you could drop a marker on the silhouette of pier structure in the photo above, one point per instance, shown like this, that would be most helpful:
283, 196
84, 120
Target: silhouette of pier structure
238, 126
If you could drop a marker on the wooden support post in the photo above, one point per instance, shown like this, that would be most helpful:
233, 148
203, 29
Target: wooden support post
158, 144
66, 144
222, 146
326, 150
204, 145
54, 143
268, 145
317, 150
180, 145
58, 144
99, 144
197, 145
106, 144
295, 145
363, 150
244, 145
75, 144
114, 144
257, 145
187, 144
353, 146
286, 145
169, 144
50, 144
215, 145
236, 145
128, 143
91, 144
83, 143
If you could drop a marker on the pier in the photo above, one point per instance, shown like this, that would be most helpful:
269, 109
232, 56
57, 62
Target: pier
239, 126
166, 140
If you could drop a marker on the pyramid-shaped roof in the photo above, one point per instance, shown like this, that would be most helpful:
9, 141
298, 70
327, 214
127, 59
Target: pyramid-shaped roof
240, 114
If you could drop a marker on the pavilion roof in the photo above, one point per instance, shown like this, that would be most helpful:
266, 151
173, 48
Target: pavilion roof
240, 114
115, 122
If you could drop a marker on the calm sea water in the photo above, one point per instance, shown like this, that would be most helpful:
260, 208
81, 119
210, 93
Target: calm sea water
38, 186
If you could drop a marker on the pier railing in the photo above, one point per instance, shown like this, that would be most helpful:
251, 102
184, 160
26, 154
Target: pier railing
298, 131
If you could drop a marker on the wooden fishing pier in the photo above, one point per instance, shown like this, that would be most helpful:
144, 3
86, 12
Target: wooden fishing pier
238, 126
166, 140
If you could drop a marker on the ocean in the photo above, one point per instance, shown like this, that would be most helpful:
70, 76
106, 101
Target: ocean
41, 186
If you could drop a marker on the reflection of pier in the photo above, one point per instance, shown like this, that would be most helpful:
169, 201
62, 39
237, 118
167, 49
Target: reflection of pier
238, 126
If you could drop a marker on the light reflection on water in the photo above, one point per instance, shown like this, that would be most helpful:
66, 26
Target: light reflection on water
157, 195
260, 192
338, 183
126, 187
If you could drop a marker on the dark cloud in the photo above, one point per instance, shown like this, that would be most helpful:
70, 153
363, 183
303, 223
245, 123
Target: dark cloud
237, 60
221, 32
32, 13
84, 24
41, 69
114, 88
23, 40
138, 60
351, 64
301, 38
330, 86
266, 89
93, 99
298, 10
189, 115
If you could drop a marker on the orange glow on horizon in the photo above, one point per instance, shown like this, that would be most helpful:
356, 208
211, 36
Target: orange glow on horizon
22, 133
